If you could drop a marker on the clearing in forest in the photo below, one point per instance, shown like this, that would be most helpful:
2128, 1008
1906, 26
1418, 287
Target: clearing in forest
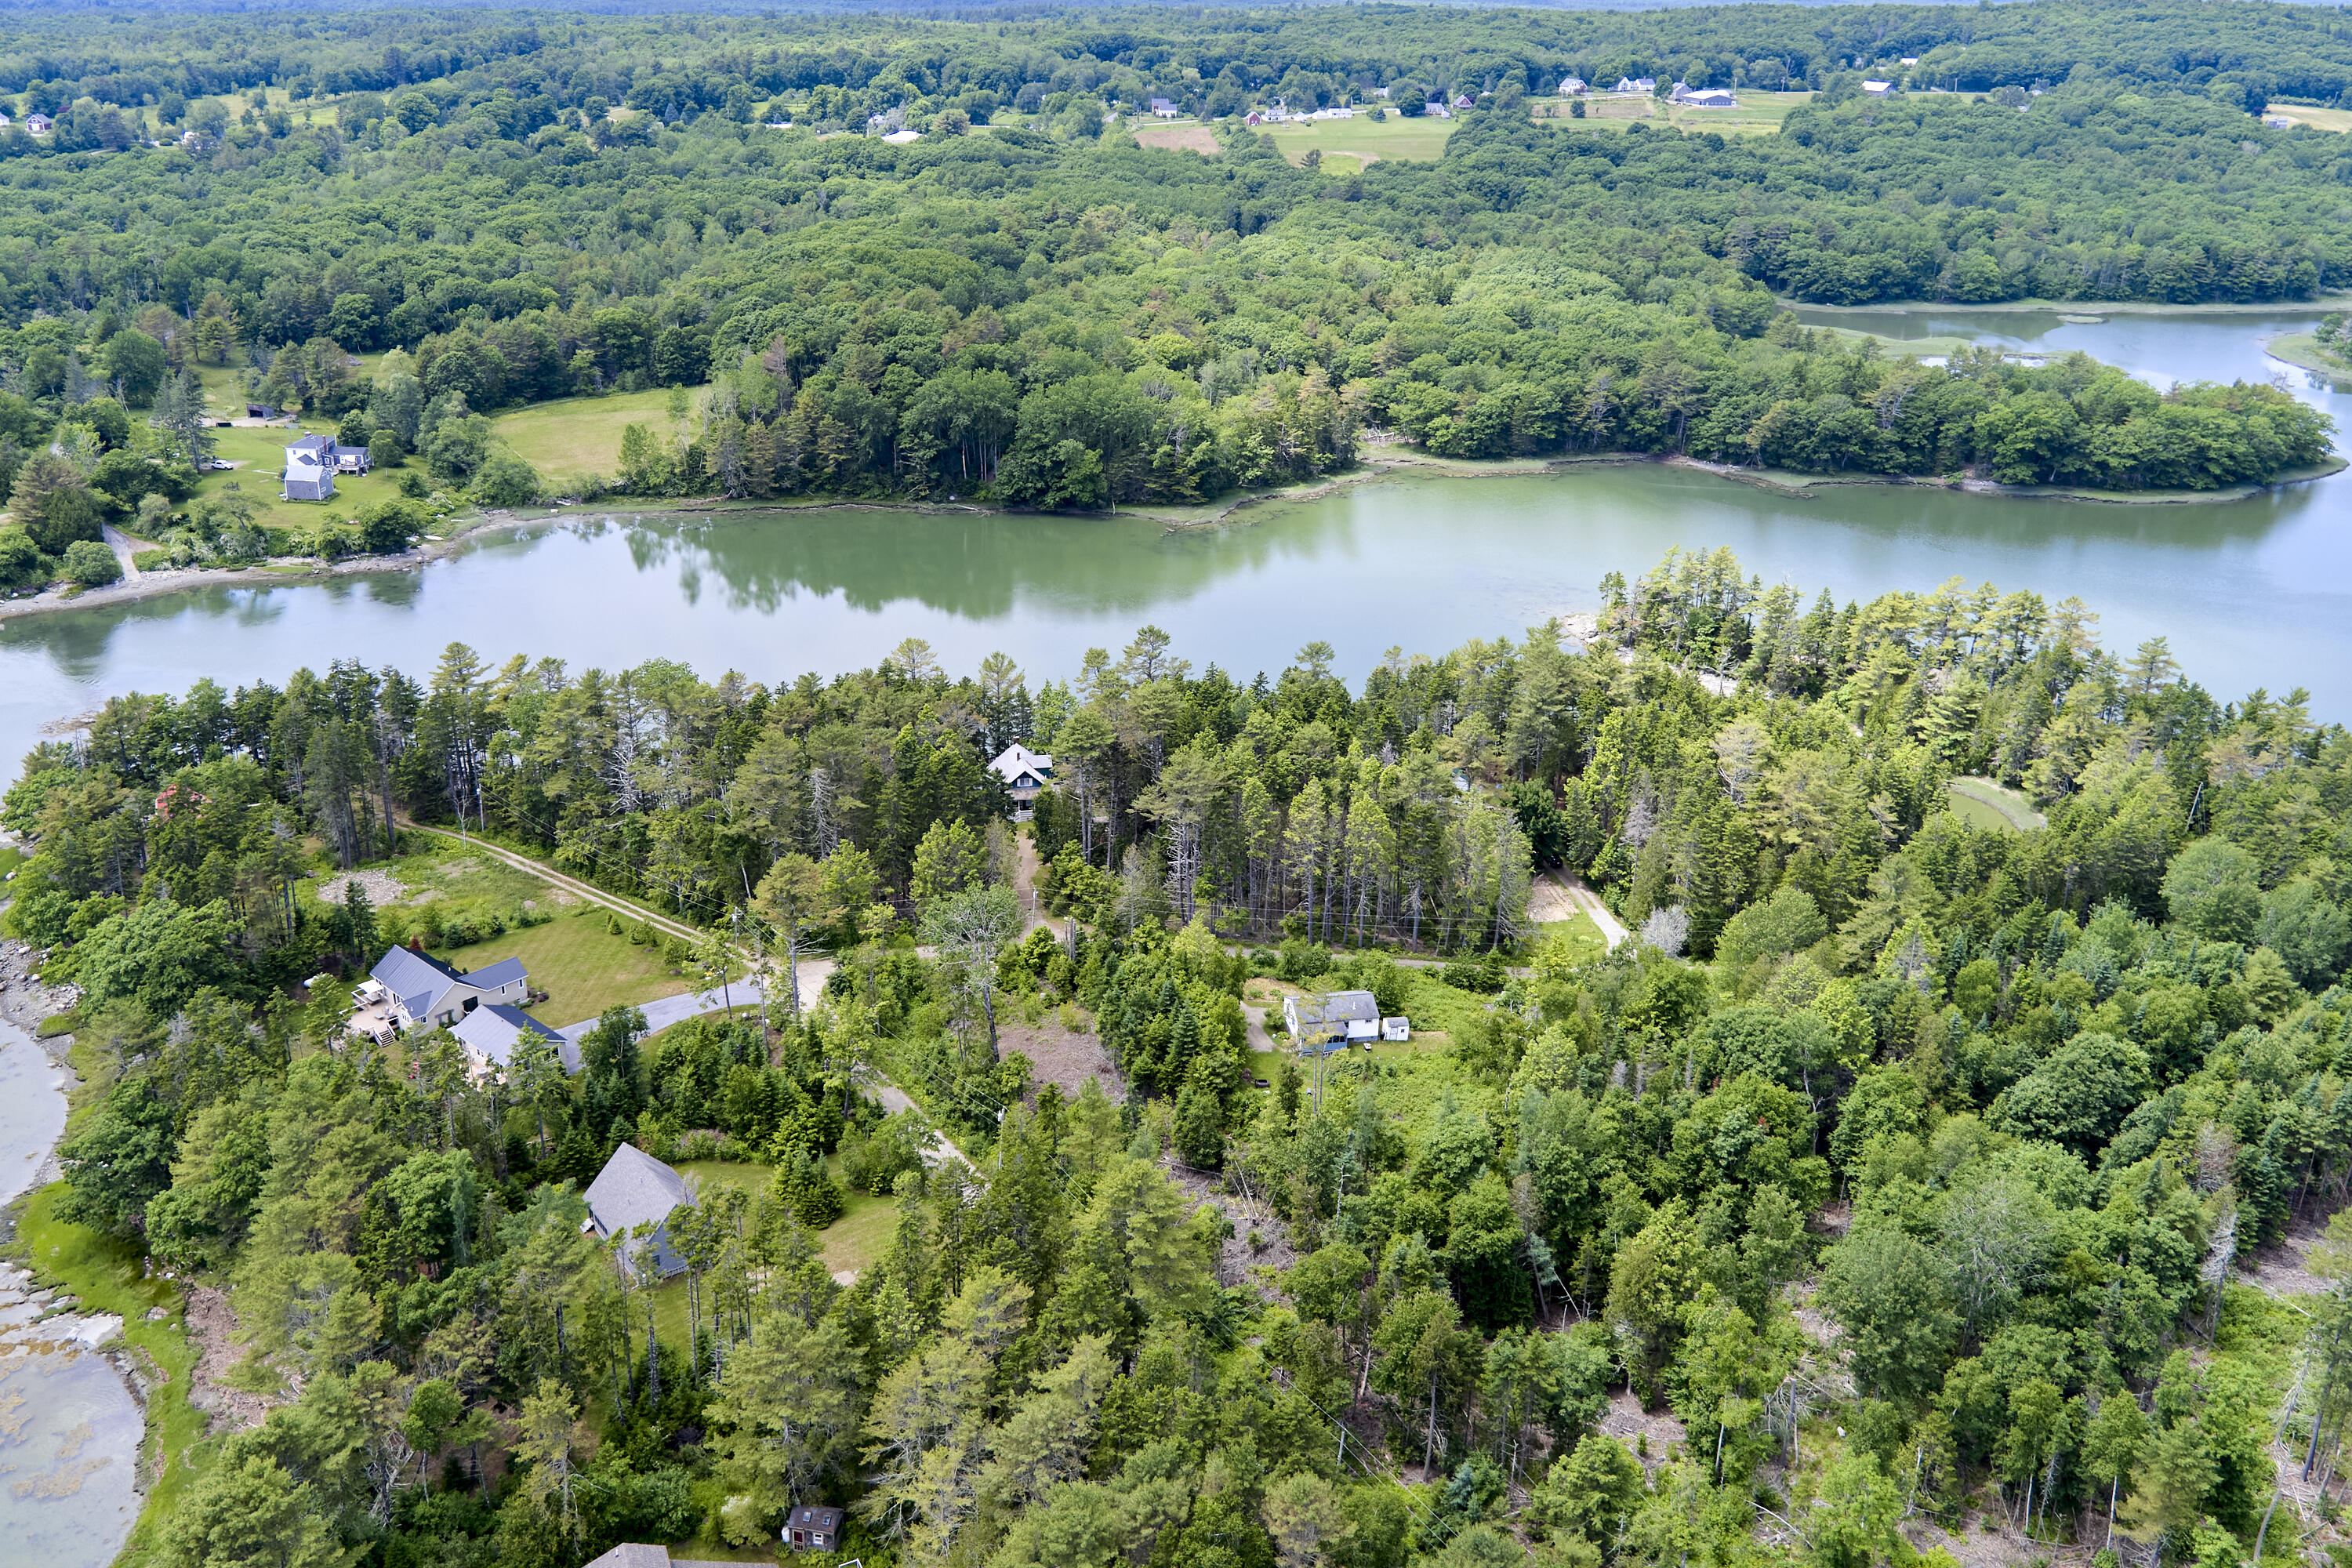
1180, 139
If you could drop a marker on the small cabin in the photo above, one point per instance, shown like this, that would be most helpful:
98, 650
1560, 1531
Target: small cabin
813, 1529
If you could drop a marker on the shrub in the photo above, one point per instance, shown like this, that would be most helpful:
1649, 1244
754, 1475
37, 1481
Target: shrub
91, 564
1485, 975
22, 564
153, 560
506, 481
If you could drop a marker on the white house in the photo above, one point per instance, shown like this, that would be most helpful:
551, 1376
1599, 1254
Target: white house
1024, 773
311, 469
1878, 88
1341, 1018
1571, 86
39, 124
491, 1033
1435, 108
1163, 109
419, 991
1644, 84
1709, 98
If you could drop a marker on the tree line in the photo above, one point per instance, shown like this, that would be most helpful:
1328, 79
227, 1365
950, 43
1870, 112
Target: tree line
2058, 1078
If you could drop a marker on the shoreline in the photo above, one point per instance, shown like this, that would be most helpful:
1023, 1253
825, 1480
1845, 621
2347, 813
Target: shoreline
1374, 469
63, 1325
2322, 304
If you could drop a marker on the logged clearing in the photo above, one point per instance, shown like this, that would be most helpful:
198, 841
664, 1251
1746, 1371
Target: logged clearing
1180, 139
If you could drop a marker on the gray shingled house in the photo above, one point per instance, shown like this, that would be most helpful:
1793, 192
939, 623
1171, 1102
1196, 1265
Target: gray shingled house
422, 991
633, 1189
492, 1033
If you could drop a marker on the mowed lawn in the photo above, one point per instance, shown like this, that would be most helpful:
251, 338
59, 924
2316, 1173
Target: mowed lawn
2336, 120
1363, 139
1981, 803
1759, 114
584, 968
574, 437
262, 453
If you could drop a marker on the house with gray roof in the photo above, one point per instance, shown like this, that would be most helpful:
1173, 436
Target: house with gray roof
1339, 1017
1024, 773
633, 1189
492, 1033
421, 992
311, 469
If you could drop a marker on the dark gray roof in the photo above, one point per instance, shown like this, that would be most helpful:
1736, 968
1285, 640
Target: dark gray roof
340, 450
819, 1517
633, 1189
308, 443
404, 972
505, 972
319, 489
492, 1032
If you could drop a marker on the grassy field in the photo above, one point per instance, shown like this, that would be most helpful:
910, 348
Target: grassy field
2302, 349
582, 967
442, 867
1362, 139
1895, 348
1188, 137
1583, 938
1759, 114
262, 453
2336, 120
577, 435
1981, 803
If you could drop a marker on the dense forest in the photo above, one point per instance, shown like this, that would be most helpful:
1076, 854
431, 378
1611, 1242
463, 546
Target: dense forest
1896, 1167
1024, 306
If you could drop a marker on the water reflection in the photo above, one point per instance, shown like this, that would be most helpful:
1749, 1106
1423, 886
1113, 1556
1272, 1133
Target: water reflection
2254, 591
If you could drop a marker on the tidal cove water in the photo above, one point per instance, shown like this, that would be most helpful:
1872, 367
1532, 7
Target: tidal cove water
69, 1428
2252, 593
2255, 592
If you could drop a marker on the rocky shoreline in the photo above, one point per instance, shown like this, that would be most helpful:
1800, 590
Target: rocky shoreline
42, 1326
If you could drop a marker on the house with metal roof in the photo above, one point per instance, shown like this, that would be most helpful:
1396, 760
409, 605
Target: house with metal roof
1024, 773
633, 1189
1339, 1017
492, 1034
421, 992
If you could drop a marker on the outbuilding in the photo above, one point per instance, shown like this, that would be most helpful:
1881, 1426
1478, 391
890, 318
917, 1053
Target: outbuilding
813, 1529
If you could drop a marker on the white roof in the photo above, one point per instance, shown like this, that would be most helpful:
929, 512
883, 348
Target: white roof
1017, 759
900, 138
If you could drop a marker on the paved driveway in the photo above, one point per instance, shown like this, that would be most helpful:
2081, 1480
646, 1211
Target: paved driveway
664, 1011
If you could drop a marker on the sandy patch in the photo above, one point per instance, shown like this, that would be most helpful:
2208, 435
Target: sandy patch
212, 1328
1062, 1058
2285, 1269
1262, 1264
1180, 139
1638, 1429
381, 888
